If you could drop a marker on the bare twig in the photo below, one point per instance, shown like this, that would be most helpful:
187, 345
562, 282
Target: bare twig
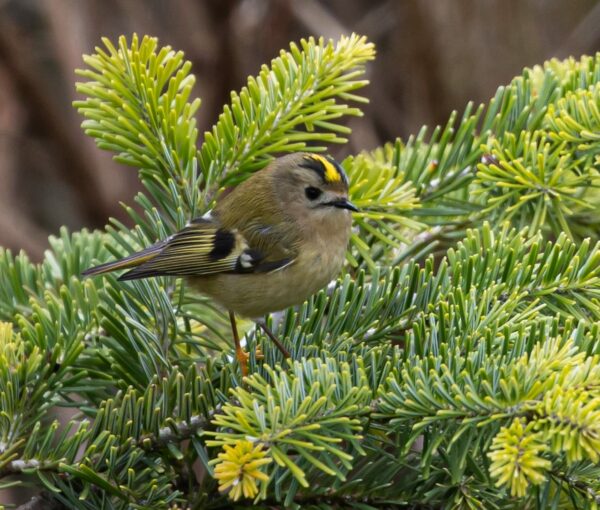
13, 52
585, 36
41, 502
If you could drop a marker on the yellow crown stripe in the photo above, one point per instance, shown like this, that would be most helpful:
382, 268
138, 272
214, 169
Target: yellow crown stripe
331, 172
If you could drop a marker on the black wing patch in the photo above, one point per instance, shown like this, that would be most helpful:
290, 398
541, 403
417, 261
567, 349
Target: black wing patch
223, 244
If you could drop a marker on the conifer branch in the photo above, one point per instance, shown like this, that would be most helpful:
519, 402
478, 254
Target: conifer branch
455, 364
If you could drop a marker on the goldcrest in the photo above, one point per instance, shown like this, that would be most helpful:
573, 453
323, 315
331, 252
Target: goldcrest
270, 243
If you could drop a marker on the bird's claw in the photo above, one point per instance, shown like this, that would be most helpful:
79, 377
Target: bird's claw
243, 357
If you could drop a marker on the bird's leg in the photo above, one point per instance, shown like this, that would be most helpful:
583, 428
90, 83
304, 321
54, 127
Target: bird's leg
241, 355
274, 339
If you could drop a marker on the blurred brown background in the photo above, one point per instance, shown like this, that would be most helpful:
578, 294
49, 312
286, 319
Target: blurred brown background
433, 57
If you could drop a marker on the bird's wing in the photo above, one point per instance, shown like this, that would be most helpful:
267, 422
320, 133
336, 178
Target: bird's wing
263, 221
202, 248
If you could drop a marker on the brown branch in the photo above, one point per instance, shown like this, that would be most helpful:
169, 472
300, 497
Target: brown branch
183, 430
42, 501
74, 167
584, 38
17, 466
179, 432
582, 486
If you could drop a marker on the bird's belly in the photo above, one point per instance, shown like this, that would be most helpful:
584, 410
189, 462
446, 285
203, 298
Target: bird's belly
255, 295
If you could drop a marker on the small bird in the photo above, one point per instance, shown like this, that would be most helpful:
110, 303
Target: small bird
268, 244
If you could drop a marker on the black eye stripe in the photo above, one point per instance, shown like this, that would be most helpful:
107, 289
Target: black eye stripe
312, 193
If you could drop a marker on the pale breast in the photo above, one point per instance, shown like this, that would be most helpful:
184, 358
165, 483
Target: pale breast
257, 294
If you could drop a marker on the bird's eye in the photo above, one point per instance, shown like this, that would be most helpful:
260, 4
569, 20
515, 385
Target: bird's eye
312, 193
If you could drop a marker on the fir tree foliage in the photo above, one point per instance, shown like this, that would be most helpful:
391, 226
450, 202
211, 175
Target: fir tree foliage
454, 364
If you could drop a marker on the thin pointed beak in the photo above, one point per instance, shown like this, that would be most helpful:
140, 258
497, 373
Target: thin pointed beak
344, 203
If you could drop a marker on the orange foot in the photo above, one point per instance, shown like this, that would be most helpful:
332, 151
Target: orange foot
242, 357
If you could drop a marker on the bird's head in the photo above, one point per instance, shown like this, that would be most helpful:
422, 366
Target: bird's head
312, 187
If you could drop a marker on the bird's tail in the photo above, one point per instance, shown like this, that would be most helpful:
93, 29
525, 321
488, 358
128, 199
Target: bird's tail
134, 260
